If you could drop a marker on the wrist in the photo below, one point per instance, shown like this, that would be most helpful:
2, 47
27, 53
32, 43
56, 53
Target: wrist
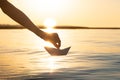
42, 34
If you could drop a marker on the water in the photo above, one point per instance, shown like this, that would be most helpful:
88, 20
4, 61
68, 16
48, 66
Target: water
94, 55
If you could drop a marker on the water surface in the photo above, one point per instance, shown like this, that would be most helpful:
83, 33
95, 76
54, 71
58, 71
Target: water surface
94, 55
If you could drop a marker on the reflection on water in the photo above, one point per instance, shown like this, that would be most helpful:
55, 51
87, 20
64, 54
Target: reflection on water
94, 56
52, 63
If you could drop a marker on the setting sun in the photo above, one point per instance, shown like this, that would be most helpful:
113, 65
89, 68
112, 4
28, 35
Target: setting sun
49, 23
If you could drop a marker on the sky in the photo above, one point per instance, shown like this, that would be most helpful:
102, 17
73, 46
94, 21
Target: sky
89, 13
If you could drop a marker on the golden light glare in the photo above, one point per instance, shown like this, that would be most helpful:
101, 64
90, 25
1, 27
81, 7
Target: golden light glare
52, 63
49, 23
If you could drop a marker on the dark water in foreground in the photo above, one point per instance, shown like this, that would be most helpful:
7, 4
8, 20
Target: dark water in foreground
94, 55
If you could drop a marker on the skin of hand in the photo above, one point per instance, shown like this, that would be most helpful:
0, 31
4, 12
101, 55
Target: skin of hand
53, 38
22, 19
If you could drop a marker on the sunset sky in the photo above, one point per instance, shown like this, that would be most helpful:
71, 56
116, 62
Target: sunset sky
90, 13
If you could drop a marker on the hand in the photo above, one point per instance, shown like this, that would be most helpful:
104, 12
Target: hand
53, 38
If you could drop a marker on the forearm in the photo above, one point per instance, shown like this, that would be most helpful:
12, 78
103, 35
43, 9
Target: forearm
20, 17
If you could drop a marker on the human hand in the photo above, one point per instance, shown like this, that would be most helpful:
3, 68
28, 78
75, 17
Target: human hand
53, 38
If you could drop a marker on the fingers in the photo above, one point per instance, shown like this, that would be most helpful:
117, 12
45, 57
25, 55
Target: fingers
57, 45
56, 41
59, 42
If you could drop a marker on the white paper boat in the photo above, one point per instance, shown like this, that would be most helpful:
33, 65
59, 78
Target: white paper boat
57, 52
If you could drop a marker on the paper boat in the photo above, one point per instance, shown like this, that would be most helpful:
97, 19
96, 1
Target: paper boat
57, 52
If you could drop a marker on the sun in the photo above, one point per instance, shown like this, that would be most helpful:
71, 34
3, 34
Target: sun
49, 23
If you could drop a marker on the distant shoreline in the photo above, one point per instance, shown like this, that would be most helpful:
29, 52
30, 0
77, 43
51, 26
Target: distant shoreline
57, 27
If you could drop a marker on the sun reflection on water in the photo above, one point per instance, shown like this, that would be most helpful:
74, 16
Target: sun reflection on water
52, 63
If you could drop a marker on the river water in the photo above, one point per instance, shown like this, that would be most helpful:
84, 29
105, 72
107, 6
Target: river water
94, 55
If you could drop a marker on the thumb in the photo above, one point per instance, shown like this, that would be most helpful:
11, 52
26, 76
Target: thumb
57, 45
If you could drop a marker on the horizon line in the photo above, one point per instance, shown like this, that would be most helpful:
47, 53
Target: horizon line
7, 26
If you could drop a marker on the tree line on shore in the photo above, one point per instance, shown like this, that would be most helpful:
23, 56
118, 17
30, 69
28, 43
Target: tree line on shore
56, 27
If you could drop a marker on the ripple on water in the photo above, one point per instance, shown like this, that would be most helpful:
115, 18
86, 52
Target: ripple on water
76, 65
